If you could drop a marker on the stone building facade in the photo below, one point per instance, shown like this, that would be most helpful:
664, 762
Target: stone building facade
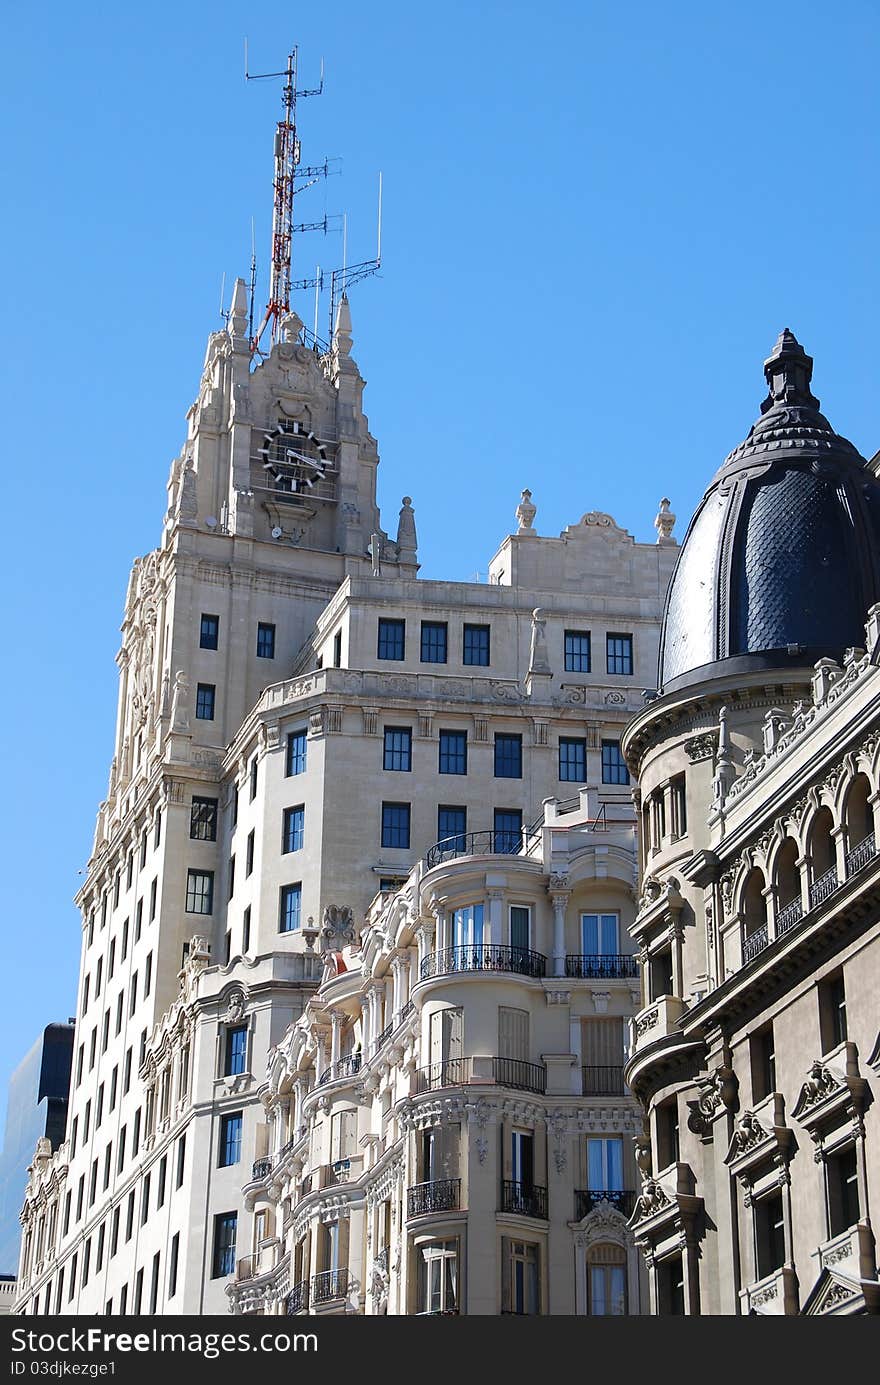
301, 718
757, 1052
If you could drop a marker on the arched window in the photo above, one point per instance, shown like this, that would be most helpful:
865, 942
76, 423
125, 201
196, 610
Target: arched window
606, 1281
754, 905
859, 814
823, 874
788, 880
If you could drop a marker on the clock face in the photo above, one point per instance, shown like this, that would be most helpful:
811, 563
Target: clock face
293, 456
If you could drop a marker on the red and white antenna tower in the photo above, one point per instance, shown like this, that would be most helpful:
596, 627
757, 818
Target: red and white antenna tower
287, 173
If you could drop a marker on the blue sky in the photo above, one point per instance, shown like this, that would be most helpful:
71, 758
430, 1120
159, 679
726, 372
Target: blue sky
598, 217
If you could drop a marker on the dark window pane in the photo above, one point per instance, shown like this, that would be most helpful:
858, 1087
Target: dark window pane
291, 906
433, 642
392, 639
203, 819
453, 752
230, 1140
236, 1051
294, 824
398, 748
508, 756
508, 830
225, 1226
451, 828
475, 645
614, 770
577, 651
619, 653
572, 760
395, 825
209, 631
200, 891
296, 752
205, 702
265, 641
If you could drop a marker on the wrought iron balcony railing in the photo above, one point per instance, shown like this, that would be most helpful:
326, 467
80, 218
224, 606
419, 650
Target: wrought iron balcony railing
585, 1199
449, 1072
602, 1081
601, 966
298, 1298
495, 957
528, 1199
440, 1195
262, 1168
788, 916
521, 1076
329, 1284
860, 854
823, 887
754, 942
485, 843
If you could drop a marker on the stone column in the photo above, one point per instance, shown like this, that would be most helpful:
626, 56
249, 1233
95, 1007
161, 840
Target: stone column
559, 899
495, 898
400, 972
299, 1091
335, 1036
425, 940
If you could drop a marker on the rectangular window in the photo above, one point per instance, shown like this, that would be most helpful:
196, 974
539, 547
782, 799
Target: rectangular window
230, 1139
181, 1160
254, 772
143, 858
123, 1300
521, 1273
223, 1263
79, 1063
154, 1284
508, 756
129, 1216
337, 649
157, 832
136, 1132
236, 1050
139, 916
769, 1234
605, 1164
119, 1003
132, 994
290, 908
138, 1293
670, 1287
398, 748
433, 650
126, 1078
614, 770
123, 952
453, 752
438, 1277
148, 975
205, 694
99, 1107
292, 829
99, 975
573, 759
233, 806
172, 1265
520, 928
203, 819
296, 753
145, 1200
451, 828
153, 884
246, 930
114, 1083
93, 1044
111, 961
841, 1172
508, 831
667, 1133
199, 891
231, 890
114, 1233
832, 1012
577, 651
762, 1053
619, 653
129, 870
392, 639
249, 853
475, 645
93, 1182
108, 1165
265, 641
600, 935
395, 825
120, 1151
209, 630
116, 890
105, 1031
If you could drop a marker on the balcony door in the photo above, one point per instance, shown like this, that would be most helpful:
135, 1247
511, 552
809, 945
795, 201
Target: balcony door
520, 927
522, 1159
600, 935
467, 926
605, 1164
446, 1044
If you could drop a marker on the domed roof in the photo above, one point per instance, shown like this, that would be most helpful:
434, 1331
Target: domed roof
782, 558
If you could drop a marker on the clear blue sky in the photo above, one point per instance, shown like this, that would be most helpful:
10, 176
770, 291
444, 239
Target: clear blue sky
597, 219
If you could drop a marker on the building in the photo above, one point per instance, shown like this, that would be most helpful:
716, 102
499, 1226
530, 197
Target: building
300, 720
757, 1053
36, 1110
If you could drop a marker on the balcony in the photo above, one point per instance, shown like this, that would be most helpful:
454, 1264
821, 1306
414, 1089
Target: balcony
788, 916
298, 1299
486, 843
451, 1072
774, 1295
262, 1168
823, 887
483, 957
441, 1195
343, 1067
659, 1020
602, 1081
754, 942
585, 1199
601, 966
860, 854
521, 1076
329, 1285
526, 1199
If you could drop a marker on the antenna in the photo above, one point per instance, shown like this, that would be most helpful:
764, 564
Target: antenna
253, 284
341, 279
223, 313
287, 171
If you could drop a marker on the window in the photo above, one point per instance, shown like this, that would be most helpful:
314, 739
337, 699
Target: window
129, 1216
453, 752
123, 1300
605, 1164
254, 771
116, 890
290, 909
619, 653
246, 930
337, 649
143, 857
154, 1284
841, 1174
181, 1160
72, 1286
508, 756
769, 1234
678, 801
521, 1266
114, 1233
763, 1063
85, 995
438, 1277
199, 891
249, 853
224, 1244
508, 831
136, 1132
265, 641
520, 928
79, 1063
398, 748
230, 1139
93, 1042
157, 832
233, 806
93, 1182
108, 1164
209, 630
227, 947
236, 1051
153, 884
126, 1076
111, 961
832, 1012
132, 994
614, 770
231, 890
99, 1107
99, 976
205, 701
667, 1133
296, 753
129, 870
139, 916
670, 1287
433, 649
172, 1264
395, 825
138, 1292
577, 651
606, 1281
203, 819
292, 829
148, 976
451, 828
392, 639
599, 934
118, 1023
475, 645
145, 1200
572, 759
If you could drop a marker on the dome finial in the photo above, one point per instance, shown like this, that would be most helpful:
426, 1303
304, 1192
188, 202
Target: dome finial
789, 370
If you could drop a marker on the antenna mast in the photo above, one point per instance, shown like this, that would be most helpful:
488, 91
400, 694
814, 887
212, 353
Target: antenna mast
287, 156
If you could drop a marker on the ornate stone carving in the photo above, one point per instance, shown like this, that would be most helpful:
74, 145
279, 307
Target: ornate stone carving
664, 523
701, 747
525, 513
180, 703
539, 661
748, 1134
653, 1198
717, 1091
646, 1021
337, 927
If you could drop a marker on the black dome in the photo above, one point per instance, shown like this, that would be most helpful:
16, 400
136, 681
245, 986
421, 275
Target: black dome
780, 562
